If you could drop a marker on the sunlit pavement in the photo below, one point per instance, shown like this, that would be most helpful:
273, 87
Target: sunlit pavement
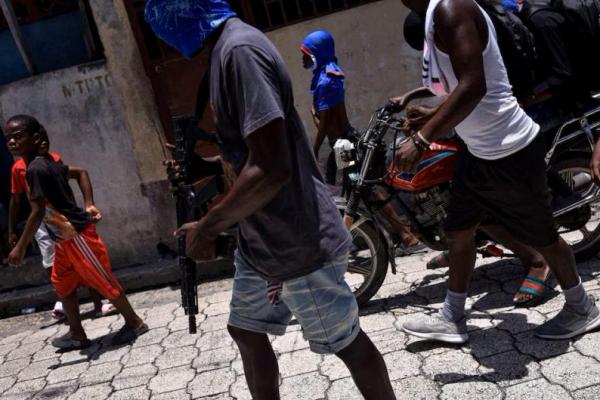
502, 360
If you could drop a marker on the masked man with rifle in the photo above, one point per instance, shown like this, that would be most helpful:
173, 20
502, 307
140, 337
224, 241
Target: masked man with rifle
293, 246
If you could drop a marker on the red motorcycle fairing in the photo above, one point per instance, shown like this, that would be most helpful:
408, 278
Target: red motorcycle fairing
436, 167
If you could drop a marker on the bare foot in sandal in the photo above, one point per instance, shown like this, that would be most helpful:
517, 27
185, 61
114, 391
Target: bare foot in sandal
533, 286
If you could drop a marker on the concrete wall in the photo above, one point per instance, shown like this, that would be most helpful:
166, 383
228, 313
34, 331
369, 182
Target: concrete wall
371, 50
84, 117
132, 86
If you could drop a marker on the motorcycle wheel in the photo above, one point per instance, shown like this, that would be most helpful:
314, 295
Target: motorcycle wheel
368, 262
585, 241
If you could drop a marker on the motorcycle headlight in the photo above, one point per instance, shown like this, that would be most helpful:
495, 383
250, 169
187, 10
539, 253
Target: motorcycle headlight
345, 153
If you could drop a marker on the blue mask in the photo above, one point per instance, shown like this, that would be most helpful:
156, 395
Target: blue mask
186, 24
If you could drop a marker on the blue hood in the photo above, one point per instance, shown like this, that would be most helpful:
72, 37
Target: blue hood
321, 46
186, 24
512, 5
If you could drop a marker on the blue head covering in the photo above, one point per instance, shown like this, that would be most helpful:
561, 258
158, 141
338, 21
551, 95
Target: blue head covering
186, 24
512, 5
327, 84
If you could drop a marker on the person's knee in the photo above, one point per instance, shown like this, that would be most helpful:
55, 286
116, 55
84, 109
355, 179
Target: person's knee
361, 350
247, 339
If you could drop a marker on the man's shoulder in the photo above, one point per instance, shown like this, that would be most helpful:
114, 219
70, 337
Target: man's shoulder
239, 35
460, 9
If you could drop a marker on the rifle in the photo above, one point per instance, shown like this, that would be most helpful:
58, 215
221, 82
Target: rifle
191, 205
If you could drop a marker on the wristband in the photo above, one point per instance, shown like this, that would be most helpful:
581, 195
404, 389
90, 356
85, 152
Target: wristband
420, 146
420, 135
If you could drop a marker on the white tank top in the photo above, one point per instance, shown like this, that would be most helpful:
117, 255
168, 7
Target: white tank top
498, 127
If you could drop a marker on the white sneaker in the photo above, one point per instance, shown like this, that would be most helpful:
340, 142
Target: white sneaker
437, 327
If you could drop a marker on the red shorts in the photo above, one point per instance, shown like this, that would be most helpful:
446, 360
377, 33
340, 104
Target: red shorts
83, 261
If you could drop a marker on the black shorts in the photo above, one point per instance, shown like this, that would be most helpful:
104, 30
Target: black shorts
512, 191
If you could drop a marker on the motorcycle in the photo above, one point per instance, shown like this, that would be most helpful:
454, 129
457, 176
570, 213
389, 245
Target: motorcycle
380, 198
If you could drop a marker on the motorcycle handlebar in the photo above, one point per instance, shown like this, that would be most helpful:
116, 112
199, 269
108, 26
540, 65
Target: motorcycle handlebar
392, 107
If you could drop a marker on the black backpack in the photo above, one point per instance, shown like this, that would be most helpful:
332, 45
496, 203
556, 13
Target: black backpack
517, 47
584, 19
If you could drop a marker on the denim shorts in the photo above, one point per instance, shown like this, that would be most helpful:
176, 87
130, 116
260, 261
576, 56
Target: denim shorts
321, 302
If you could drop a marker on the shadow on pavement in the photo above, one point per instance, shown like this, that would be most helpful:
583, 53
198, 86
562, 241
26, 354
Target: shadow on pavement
506, 351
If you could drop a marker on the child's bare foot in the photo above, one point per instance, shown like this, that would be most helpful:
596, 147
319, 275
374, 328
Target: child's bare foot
58, 313
104, 310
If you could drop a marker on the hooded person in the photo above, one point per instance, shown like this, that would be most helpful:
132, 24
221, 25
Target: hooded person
329, 109
291, 238
328, 92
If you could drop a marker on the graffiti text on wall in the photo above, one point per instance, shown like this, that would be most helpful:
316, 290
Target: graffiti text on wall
86, 86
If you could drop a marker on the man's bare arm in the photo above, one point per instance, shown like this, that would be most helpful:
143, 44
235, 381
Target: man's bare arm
461, 36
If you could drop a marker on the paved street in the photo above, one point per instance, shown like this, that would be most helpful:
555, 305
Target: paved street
502, 361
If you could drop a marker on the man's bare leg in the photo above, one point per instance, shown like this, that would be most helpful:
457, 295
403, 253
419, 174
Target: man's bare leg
561, 261
462, 251
368, 368
262, 371
260, 363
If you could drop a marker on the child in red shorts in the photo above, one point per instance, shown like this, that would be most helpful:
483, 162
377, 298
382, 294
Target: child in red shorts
45, 243
83, 259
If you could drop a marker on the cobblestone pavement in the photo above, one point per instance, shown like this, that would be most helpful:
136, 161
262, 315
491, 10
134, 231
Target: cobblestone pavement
502, 360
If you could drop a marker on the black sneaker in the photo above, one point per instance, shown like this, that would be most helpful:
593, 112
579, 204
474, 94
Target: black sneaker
128, 334
67, 342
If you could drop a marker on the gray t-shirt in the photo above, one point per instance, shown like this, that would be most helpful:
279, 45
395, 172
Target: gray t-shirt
301, 228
